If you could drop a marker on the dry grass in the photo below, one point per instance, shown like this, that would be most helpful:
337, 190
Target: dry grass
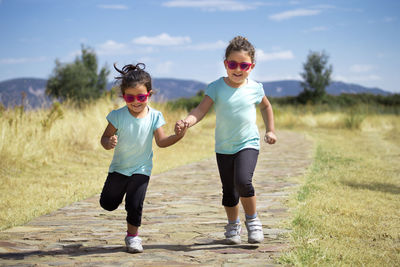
50, 158
346, 212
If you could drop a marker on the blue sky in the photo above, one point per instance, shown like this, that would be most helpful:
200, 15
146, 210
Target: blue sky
186, 39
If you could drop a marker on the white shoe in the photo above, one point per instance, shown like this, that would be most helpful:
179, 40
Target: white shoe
254, 230
232, 233
134, 244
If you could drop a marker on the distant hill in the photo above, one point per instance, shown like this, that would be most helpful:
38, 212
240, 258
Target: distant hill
293, 88
169, 89
11, 92
166, 89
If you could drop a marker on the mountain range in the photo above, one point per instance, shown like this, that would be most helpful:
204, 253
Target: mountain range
31, 91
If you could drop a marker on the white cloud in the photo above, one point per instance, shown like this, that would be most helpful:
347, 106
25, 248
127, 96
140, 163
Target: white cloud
111, 47
163, 39
294, 13
208, 46
361, 68
213, 5
280, 55
117, 7
22, 60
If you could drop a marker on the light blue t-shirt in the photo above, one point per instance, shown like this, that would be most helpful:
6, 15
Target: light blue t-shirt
133, 153
236, 127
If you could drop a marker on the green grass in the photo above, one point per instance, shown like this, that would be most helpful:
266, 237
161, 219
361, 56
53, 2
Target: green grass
346, 211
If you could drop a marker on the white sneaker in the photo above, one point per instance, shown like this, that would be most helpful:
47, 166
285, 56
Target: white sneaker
133, 244
232, 233
254, 230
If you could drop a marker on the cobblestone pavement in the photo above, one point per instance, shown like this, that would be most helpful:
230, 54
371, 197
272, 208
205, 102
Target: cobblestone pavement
183, 220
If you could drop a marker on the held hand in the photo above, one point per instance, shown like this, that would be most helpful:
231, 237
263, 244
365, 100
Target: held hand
181, 127
178, 127
270, 138
112, 141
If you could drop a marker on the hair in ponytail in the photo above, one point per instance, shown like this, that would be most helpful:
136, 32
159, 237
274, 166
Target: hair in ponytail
132, 76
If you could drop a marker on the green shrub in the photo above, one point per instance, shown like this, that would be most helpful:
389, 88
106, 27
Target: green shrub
186, 103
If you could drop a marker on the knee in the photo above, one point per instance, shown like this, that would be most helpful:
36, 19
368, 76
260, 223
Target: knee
230, 197
108, 205
245, 189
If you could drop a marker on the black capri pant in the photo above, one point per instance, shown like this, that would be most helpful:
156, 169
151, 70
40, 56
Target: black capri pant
134, 187
236, 172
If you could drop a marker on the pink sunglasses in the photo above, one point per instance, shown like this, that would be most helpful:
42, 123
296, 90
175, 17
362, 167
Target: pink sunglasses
141, 98
243, 65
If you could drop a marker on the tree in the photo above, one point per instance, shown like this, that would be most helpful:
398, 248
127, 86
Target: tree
78, 81
317, 76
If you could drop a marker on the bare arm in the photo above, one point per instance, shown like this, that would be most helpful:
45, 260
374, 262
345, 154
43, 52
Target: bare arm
200, 111
109, 139
268, 118
162, 140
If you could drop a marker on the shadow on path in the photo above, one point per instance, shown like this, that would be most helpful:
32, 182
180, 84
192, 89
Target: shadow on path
79, 250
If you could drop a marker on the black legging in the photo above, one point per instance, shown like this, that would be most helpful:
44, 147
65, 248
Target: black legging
116, 186
236, 172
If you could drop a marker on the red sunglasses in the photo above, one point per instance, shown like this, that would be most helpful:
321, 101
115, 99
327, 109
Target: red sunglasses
243, 65
141, 98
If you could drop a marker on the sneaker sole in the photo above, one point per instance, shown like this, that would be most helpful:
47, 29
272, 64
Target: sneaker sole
255, 241
130, 250
230, 241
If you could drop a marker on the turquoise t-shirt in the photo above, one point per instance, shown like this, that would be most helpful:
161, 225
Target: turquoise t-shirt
235, 108
133, 153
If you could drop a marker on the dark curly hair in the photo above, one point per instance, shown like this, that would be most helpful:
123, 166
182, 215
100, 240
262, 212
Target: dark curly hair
132, 76
240, 43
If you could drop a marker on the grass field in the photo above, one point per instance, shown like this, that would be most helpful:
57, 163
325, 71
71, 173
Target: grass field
346, 211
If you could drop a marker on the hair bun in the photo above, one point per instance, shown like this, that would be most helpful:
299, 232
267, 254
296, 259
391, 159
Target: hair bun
140, 66
130, 67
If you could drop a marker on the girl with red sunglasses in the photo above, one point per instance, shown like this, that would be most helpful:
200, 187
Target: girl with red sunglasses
130, 132
237, 140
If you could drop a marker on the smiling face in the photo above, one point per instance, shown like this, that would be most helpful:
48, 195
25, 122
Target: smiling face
136, 108
238, 77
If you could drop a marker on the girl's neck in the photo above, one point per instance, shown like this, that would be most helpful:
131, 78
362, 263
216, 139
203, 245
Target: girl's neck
141, 114
234, 85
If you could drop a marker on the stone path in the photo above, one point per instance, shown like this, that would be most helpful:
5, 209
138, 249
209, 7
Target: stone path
182, 225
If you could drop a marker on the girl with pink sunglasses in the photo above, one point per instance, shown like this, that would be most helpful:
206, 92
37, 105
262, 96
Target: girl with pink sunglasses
237, 140
130, 132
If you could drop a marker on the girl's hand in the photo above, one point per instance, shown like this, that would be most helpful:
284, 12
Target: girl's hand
181, 127
112, 141
270, 138
178, 127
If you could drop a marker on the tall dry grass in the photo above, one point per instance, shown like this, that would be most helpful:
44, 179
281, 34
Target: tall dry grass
52, 157
290, 117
